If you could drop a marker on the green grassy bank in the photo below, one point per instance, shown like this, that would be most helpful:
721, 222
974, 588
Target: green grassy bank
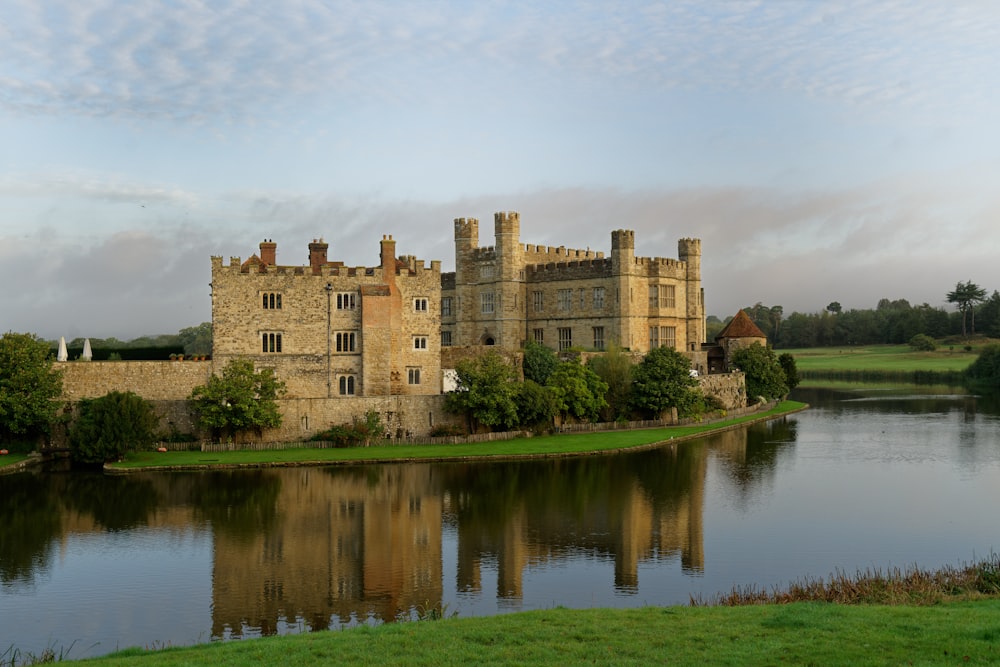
882, 363
567, 444
803, 633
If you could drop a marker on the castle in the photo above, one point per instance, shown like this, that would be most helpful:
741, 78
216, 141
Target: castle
331, 330
351, 339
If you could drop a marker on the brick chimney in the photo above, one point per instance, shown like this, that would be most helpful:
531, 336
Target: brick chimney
388, 257
317, 255
268, 252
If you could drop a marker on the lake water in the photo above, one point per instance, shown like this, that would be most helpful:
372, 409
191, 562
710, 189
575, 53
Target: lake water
863, 479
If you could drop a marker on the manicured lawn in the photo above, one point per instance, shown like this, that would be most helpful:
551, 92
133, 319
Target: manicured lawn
881, 358
553, 445
802, 633
11, 459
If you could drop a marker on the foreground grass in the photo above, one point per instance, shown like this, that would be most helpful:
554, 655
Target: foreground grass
949, 616
551, 445
12, 459
881, 358
801, 633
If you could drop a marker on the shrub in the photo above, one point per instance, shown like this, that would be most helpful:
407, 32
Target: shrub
110, 426
447, 430
361, 432
923, 343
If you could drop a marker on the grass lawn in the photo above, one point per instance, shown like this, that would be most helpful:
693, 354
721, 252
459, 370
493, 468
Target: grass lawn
11, 459
881, 358
551, 445
812, 633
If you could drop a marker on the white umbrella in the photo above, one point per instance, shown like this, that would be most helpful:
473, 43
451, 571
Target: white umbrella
62, 355
87, 352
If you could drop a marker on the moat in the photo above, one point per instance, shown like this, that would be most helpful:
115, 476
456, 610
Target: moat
871, 479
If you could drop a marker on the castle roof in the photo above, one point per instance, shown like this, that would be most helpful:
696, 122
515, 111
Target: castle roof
741, 326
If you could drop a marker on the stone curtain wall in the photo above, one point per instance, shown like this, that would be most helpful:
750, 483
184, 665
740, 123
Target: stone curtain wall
153, 380
729, 388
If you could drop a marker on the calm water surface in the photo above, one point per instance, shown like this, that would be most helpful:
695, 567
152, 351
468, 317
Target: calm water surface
864, 479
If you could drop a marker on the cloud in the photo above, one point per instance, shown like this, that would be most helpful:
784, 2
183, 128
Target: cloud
196, 62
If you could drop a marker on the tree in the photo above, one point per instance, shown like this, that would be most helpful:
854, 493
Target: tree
967, 296
834, 307
487, 388
241, 400
791, 369
984, 372
535, 405
922, 343
196, 340
764, 375
29, 387
578, 391
614, 367
662, 380
112, 425
539, 362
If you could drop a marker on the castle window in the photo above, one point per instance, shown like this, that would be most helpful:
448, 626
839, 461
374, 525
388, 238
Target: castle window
413, 376
654, 337
446, 306
583, 299
347, 385
598, 298
538, 335
487, 302
486, 272
346, 341
667, 296
271, 300
445, 339
598, 338
565, 299
565, 338
654, 296
346, 301
668, 336
420, 342
420, 305
271, 342
538, 301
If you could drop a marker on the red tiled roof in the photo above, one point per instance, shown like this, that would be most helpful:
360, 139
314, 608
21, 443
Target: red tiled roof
741, 326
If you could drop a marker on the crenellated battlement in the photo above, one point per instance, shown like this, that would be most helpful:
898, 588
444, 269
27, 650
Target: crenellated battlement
569, 270
467, 232
539, 254
622, 239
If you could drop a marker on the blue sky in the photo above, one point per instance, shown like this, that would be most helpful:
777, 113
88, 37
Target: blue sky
822, 151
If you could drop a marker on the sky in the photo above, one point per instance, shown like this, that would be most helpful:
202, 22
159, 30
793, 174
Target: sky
822, 151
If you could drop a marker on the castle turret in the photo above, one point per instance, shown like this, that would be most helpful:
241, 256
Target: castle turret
317, 255
689, 252
466, 233
268, 252
622, 250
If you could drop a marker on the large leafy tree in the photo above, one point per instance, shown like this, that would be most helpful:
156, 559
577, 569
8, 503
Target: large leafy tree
109, 426
539, 362
486, 393
967, 296
614, 367
29, 387
241, 400
196, 340
578, 391
536, 405
662, 380
764, 374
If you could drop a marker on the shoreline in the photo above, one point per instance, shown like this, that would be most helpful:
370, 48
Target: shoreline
782, 409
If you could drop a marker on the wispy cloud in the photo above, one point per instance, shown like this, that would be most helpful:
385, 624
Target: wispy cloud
196, 61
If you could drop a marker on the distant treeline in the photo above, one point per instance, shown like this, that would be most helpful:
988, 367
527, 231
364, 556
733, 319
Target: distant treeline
890, 322
192, 340
153, 353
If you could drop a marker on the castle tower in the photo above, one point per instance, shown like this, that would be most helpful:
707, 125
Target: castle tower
317, 255
689, 252
268, 252
629, 327
509, 286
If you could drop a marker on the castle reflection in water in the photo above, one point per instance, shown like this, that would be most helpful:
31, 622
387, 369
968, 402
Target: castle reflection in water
324, 547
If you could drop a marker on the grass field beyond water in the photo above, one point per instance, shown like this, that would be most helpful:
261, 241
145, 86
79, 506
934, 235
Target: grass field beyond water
881, 358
